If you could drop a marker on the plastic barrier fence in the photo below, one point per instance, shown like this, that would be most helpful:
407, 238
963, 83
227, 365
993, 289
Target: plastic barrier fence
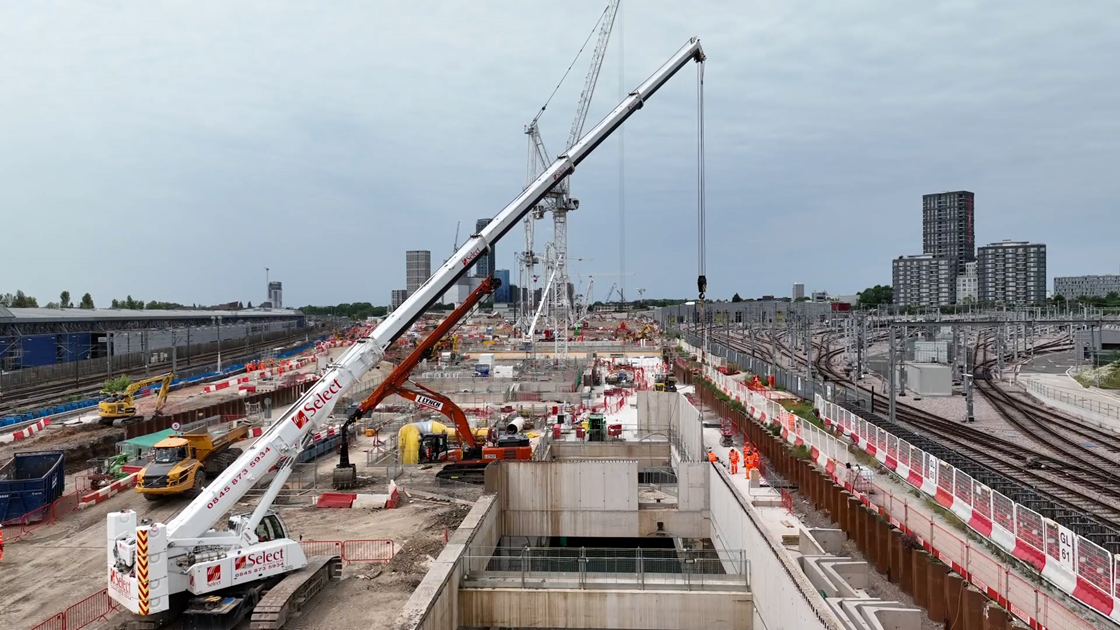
1074, 564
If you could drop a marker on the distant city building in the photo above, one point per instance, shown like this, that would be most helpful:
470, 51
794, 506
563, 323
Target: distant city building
484, 266
1012, 272
1073, 287
948, 228
968, 284
820, 296
399, 296
417, 269
923, 280
276, 294
798, 290
504, 293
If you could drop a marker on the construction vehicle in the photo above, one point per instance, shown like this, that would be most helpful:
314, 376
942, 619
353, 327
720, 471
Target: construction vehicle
120, 408
106, 470
253, 565
664, 383
182, 463
433, 446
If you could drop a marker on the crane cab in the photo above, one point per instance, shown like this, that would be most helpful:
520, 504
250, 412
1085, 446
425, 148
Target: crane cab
269, 529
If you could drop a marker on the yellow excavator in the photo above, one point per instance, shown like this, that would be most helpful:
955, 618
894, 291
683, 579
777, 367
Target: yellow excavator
120, 407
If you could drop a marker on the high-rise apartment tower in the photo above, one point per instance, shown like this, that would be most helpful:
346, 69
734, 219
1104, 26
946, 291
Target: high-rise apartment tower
948, 228
417, 269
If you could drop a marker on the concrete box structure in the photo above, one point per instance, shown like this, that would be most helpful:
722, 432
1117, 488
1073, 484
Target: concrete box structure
929, 379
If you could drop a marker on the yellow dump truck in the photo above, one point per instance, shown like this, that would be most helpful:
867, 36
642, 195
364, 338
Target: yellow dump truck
182, 463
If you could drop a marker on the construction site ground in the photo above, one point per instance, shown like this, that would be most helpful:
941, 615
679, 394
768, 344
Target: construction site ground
72, 551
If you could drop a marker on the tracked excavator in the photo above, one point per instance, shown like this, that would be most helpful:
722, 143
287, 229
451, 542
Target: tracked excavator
433, 446
212, 570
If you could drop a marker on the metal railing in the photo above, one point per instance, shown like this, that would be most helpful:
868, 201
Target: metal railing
609, 568
1087, 404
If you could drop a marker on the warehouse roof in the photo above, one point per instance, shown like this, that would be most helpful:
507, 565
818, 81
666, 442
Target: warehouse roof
46, 315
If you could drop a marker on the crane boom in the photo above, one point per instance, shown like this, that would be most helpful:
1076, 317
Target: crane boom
149, 563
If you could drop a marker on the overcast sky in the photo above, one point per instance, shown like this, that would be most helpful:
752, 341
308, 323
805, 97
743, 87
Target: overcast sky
172, 150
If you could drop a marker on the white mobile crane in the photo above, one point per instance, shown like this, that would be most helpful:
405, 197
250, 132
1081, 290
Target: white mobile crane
154, 569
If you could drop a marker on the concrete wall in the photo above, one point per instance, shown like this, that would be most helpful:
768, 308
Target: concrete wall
788, 599
434, 605
636, 610
655, 411
691, 434
578, 498
692, 486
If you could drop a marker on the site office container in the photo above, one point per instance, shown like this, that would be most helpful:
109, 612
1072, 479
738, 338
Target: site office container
31, 481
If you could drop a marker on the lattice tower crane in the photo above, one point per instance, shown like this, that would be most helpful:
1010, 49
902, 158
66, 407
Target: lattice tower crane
560, 202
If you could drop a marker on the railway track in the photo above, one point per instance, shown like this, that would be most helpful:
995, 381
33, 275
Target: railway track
91, 385
1074, 478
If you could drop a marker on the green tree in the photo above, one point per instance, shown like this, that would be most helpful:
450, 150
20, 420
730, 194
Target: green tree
64, 300
87, 302
116, 384
736, 298
116, 304
250, 305
876, 296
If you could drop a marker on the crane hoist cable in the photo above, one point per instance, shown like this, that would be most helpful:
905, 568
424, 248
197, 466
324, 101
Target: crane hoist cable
569, 70
701, 200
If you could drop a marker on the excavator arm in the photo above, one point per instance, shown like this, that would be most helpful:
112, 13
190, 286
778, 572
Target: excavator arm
346, 474
436, 401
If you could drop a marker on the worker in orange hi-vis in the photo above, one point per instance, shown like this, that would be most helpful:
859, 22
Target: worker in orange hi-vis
733, 457
1, 542
712, 456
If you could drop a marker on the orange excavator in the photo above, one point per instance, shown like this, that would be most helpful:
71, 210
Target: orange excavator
472, 457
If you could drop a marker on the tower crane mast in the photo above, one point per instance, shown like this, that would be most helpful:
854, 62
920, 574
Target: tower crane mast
152, 564
560, 202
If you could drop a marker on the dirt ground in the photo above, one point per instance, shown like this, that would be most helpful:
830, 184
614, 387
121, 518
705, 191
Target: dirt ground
61, 563
371, 595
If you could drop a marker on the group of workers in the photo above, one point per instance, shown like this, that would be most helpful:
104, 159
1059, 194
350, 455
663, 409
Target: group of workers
750, 459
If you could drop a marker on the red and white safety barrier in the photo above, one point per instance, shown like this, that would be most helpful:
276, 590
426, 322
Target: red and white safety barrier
25, 432
94, 498
209, 389
389, 500
1087, 578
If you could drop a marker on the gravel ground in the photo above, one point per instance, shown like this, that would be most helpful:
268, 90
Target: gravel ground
877, 584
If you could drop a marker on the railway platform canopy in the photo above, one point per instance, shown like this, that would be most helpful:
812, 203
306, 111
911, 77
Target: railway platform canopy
35, 321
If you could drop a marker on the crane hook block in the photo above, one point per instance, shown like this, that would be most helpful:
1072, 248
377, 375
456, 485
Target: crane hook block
702, 285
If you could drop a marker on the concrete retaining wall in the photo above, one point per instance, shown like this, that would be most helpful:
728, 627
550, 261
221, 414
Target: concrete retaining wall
788, 599
561, 608
434, 605
584, 498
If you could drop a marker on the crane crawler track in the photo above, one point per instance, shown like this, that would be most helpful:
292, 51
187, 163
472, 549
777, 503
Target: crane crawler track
288, 598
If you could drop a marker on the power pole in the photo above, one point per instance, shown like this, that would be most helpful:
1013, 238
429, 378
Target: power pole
891, 377
968, 383
809, 349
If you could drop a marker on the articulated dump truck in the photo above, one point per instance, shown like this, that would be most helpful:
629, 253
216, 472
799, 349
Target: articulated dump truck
182, 463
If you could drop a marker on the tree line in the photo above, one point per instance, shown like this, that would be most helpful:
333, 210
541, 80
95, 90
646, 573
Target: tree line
357, 310
19, 299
